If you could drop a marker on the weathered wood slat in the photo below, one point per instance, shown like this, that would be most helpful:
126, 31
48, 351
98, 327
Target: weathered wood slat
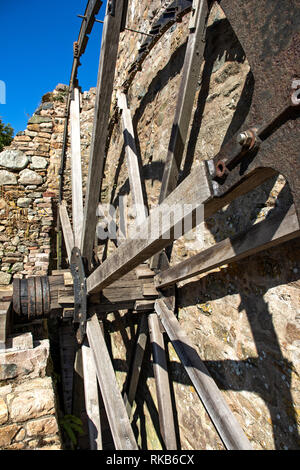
66, 228
5, 311
184, 107
222, 417
114, 405
132, 160
166, 417
163, 220
137, 364
108, 57
91, 397
92, 9
76, 173
261, 236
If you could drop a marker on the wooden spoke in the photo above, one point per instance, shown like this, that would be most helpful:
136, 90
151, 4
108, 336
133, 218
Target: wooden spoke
137, 364
261, 236
222, 417
66, 228
184, 107
108, 57
114, 405
77, 201
160, 367
132, 160
91, 397
192, 192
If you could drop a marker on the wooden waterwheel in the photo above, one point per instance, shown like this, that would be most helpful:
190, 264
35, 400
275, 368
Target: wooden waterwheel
137, 275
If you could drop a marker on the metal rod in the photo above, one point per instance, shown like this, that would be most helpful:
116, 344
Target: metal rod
127, 29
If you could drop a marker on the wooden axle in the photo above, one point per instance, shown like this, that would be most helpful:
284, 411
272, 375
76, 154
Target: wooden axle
38, 296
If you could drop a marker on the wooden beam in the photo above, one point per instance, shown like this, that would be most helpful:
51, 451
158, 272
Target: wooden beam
164, 220
186, 96
114, 405
91, 397
66, 228
137, 364
166, 417
262, 236
91, 10
132, 160
185, 101
108, 57
222, 417
76, 173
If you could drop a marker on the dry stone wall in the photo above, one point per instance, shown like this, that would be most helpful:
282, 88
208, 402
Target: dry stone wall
28, 417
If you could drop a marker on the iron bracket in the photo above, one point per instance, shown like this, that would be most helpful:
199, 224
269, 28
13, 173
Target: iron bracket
80, 293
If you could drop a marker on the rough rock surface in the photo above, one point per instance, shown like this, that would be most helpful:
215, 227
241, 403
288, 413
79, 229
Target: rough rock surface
13, 159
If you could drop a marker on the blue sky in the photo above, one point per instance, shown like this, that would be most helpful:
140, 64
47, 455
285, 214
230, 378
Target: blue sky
36, 40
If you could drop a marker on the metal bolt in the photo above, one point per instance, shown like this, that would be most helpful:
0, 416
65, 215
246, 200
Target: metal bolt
242, 138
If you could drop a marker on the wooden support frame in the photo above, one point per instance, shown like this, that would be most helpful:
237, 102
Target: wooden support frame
108, 57
166, 417
222, 417
196, 190
114, 405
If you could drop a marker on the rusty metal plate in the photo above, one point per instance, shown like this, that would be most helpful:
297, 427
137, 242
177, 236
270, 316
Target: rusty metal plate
269, 33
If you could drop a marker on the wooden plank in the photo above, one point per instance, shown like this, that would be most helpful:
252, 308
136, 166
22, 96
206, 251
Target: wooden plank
261, 236
144, 272
164, 220
222, 417
5, 312
108, 57
166, 417
184, 107
136, 365
132, 160
76, 173
149, 290
92, 9
91, 397
66, 228
114, 405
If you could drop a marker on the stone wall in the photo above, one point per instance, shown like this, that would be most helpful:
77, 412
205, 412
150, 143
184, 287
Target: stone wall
28, 190
28, 418
28, 199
